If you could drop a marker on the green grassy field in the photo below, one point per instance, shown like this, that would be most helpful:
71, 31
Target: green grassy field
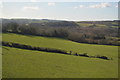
84, 24
0, 57
26, 63
0, 62
88, 24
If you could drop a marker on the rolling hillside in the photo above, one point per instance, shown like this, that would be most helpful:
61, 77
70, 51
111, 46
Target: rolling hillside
26, 63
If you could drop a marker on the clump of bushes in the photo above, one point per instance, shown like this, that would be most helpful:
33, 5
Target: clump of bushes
102, 57
84, 54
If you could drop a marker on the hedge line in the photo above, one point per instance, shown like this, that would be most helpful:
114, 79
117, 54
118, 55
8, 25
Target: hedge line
22, 46
28, 47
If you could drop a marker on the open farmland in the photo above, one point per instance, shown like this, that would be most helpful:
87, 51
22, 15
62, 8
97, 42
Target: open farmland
59, 40
26, 63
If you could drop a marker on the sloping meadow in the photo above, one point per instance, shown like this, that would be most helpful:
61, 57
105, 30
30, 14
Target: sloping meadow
36, 64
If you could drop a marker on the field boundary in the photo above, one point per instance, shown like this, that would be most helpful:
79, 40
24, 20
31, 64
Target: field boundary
28, 47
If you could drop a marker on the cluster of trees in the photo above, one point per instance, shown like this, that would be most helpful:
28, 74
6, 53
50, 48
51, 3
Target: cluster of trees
91, 35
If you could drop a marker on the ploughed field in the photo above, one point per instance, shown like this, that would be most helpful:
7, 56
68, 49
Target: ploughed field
21, 63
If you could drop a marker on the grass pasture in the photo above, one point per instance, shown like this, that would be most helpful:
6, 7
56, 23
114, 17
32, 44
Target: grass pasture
19, 63
84, 24
25, 63
88, 24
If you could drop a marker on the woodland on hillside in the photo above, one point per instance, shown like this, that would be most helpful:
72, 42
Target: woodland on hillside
92, 32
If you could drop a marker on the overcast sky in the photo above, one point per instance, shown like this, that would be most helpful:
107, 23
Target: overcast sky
77, 11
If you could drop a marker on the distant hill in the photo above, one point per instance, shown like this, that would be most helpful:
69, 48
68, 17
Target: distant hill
54, 24
92, 32
99, 23
61, 23
41, 22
